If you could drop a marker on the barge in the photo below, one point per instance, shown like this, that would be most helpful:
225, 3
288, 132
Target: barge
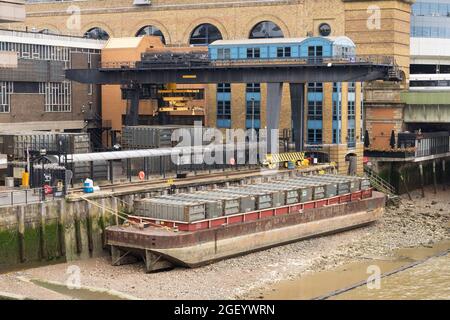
199, 228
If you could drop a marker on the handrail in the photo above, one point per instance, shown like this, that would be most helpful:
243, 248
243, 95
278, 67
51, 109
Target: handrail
379, 183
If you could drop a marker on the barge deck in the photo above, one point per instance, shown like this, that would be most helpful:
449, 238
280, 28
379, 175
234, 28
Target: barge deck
166, 244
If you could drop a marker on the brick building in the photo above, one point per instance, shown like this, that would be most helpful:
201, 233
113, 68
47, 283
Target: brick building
36, 95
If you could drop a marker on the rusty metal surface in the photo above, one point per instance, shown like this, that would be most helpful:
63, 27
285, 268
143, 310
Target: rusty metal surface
153, 238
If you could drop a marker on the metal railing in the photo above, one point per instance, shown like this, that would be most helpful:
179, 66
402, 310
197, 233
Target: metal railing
379, 183
28, 196
370, 59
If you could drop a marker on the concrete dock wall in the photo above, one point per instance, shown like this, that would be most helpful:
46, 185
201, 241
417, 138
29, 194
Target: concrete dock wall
73, 228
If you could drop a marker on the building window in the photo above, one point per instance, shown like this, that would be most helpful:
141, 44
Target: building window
351, 137
351, 110
6, 88
335, 135
314, 136
205, 34
324, 30
224, 114
58, 96
352, 87
253, 53
224, 53
314, 110
151, 31
283, 52
316, 87
253, 88
336, 87
335, 111
223, 87
253, 114
315, 51
96, 33
266, 29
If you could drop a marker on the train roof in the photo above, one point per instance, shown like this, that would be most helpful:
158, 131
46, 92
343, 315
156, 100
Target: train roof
342, 40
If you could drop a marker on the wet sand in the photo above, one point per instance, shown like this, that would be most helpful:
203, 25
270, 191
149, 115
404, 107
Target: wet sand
418, 223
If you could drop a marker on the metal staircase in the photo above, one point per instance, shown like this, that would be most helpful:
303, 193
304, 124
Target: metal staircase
380, 184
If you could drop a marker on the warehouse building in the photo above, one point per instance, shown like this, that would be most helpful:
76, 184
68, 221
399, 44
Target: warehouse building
36, 95
377, 28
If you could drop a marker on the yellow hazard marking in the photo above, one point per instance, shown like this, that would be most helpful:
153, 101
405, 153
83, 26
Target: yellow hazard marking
170, 181
189, 76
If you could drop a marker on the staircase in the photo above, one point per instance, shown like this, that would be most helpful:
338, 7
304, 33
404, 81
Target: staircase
381, 185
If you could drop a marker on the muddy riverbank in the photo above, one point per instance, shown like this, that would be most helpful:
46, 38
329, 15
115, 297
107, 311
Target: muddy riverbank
417, 223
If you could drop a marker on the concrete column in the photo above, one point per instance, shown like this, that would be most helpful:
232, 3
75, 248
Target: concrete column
274, 93
443, 175
21, 232
298, 114
422, 182
434, 177
42, 235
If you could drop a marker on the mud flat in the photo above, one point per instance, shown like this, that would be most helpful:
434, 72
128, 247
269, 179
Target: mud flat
419, 223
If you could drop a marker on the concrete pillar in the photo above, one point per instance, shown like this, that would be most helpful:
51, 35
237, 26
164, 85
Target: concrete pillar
61, 227
298, 114
21, 232
422, 182
444, 175
434, 177
274, 93
42, 233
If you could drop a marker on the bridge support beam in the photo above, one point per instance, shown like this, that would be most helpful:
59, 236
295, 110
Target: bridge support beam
274, 93
297, 91
132, 117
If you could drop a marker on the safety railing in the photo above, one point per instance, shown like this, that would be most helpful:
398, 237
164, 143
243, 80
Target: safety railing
29, 196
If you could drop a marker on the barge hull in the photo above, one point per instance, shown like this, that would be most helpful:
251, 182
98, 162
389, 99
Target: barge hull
192, 249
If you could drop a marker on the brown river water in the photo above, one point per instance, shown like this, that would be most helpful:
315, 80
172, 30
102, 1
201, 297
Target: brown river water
411, 273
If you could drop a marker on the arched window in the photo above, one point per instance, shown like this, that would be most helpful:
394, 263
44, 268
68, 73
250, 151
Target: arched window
48, 31
205, 34
266, 29
151, 31
97, 33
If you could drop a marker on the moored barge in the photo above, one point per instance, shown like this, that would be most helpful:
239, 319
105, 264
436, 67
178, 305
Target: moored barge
195, 229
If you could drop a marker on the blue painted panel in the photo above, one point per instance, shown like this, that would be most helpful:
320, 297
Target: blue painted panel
256, 123
315, 124
336, 124
272, 51
223, 96
295, 51
352, 96
315, 96
223, 123
242, 53
264, 52
255, 95
234, 53
213, 53
351, 124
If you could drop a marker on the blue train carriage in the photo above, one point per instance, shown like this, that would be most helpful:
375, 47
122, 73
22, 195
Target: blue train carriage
312, 49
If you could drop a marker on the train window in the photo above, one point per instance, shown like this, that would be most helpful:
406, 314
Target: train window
224, 53
266, 29
205, 34
253, 53
151, 31
283, 52
324, 30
